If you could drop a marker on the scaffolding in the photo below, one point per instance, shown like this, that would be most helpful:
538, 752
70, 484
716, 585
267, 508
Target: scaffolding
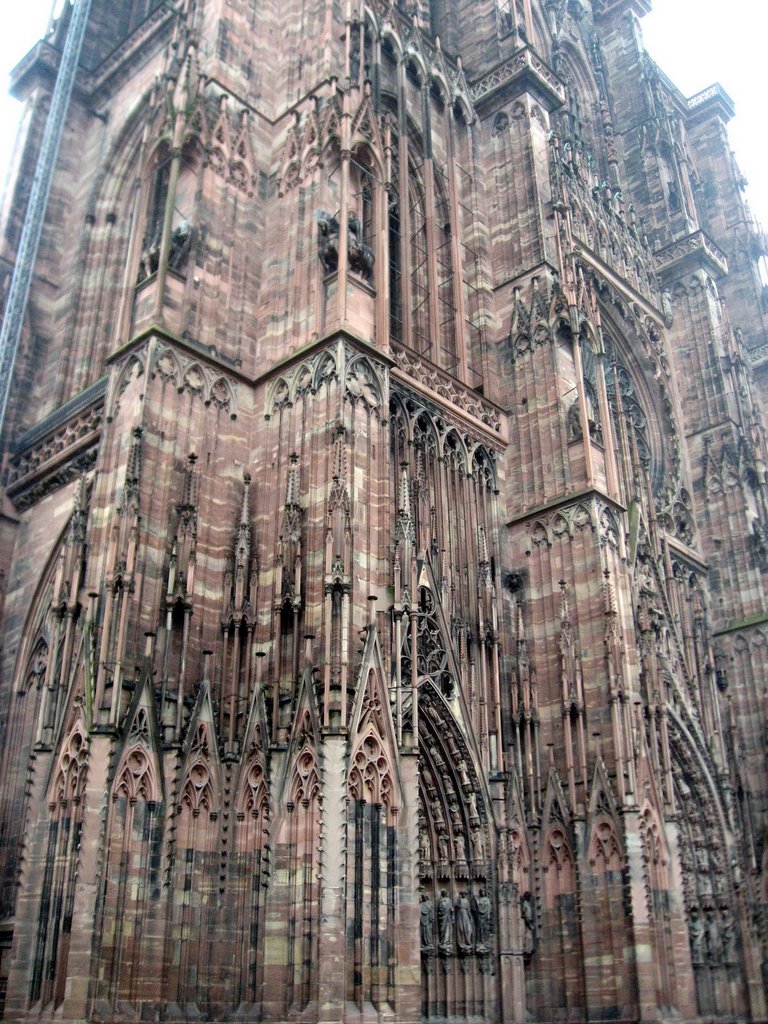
26, 256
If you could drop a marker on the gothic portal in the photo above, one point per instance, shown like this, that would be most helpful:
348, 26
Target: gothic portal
384, 533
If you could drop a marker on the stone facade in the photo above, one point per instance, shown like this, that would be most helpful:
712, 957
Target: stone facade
384, 535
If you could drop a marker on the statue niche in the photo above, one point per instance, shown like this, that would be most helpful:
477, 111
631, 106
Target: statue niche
360, 255
181, 225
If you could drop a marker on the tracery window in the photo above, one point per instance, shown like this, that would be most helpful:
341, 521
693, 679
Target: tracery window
626, 406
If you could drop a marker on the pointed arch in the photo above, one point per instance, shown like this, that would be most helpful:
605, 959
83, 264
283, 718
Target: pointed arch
250, 864
66, 807
196, 861
129, 905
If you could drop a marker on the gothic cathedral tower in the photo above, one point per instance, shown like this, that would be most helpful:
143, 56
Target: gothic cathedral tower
384, 532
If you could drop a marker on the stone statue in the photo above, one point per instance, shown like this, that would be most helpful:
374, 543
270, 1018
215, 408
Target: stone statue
424, 855
482, 908
181, 245
478, 847
698, 938
729, 937
474, 817
360, 255
427, 926
714, 941
442, 846
328, 240
465, 929
361, 258
445, 923
150, 254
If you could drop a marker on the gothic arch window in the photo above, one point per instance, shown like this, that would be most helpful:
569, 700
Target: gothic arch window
182, 213
250, 871
302, 871
576, 121
195, 867
66, 808
444, 472
365, 188
710, 907
132, 870
629, 407
418, 249
371, 866
370, 777
420, 234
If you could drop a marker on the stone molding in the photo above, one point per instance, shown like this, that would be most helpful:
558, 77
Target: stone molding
59, 449
522, 72
426, 378
694, 252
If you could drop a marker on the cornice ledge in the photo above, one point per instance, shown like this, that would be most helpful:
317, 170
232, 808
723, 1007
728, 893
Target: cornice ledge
696, 251
422, 376
523, 72
713, 101
563, 501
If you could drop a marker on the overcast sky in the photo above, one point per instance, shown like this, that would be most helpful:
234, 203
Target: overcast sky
697, 42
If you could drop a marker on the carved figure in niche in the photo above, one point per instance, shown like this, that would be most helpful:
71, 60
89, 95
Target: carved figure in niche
150, 255
474, 817
437, 759
461, 768
478, 846
462, 853
575, 432
424, 856
361, 257
453, 809
328, 240
729, 937
427, 924
465, 929
442, 846
445, 923
181, 244
698, 938
482, 909
437, 815
714, 940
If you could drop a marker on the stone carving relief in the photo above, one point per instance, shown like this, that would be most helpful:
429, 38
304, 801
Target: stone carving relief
565, 523
196, 378
362, 383
60, 456
361, 256
304, 378
448, 388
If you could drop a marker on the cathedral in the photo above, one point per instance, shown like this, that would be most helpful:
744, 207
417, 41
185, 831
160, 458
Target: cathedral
383, 524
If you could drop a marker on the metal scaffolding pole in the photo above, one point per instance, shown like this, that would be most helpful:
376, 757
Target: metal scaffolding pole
38, 200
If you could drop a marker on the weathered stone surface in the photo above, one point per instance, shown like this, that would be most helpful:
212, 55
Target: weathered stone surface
384, 533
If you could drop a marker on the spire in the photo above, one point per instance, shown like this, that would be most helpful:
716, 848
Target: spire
183, 553
484, 561
242, 553
338, 500
292, 489
189, 496
133, 473
79, 520
565, 612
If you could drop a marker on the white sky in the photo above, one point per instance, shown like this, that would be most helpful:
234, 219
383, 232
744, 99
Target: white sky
696, 42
